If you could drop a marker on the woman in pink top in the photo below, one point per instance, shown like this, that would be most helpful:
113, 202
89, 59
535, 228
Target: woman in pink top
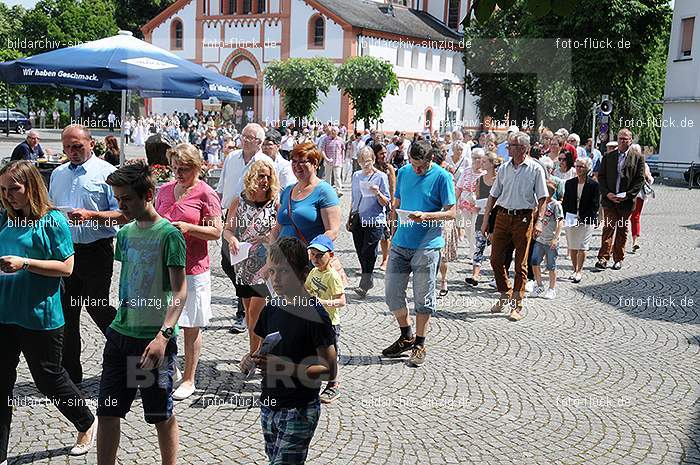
194, 208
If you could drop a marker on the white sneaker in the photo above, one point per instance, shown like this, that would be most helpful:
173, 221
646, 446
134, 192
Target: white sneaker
538, 291
184, 391
549, 294
530, 286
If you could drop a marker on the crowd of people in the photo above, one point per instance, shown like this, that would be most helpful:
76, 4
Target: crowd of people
277, 211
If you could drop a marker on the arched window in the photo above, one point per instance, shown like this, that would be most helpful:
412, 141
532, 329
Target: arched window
443, 62
429, 60
400, 56
414, 58
176, 35
437, 97
317, 32
409, 95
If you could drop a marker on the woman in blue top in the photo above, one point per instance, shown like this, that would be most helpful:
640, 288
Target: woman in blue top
370, 199
36, 251
313, 203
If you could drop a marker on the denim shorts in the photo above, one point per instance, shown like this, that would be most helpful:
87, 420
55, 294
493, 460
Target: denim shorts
288, 432
539, 250
423, 263
121, 377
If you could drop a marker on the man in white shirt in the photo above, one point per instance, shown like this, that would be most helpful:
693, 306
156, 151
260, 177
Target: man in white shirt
236, 164
271, 148
111, 119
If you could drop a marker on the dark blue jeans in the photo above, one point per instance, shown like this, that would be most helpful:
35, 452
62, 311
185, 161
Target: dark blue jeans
366, 240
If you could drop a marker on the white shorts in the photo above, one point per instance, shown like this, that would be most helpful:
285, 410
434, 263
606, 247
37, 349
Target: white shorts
197, 311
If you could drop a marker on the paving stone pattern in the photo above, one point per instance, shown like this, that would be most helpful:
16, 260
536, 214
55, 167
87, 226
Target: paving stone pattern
607, 373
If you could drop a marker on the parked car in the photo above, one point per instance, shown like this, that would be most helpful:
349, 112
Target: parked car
696, 175
19, 122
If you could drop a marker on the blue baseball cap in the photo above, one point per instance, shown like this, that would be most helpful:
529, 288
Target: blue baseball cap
322, 243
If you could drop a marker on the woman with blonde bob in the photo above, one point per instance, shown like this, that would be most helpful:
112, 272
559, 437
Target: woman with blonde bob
36, 251
251, 218
194, 208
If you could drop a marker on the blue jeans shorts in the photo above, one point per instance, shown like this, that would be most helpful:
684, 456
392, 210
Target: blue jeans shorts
121, 377
423, 263
539, 250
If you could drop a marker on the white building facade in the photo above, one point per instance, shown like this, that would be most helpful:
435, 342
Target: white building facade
680, 135
239, 38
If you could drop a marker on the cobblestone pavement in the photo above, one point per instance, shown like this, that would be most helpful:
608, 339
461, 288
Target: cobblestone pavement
606, 373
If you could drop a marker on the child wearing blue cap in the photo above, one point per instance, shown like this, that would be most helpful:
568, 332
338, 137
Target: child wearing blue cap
325, 284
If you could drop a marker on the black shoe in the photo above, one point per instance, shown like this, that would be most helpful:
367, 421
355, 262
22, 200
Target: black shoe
635, 248
601, 264
617, 266
361, 292
399, 347
472, 282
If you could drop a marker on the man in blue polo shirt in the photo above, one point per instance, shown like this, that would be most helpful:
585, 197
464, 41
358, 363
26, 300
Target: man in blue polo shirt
30, 149
424, 198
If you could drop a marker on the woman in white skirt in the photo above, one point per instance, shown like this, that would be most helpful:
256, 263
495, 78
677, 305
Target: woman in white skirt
194, 208
580, 204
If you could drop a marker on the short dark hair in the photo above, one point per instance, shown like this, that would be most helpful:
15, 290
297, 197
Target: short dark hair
290, 250
436, 156
273, 136
138, 175
421, 151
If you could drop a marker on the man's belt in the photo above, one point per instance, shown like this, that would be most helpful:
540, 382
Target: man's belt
526, 211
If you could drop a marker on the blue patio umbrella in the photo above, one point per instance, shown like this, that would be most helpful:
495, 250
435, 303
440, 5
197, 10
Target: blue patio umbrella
121, 63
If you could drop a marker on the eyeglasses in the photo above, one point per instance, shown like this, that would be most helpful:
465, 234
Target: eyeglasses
513, 145
250, 139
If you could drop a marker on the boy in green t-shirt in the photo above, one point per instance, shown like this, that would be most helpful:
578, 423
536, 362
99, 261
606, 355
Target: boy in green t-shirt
141, 348
325, 283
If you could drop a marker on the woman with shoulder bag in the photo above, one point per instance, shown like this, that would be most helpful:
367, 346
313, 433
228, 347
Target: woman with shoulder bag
367, 221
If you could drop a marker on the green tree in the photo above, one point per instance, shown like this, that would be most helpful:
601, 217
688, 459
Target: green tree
301, 80
131, 15
627, 61
10, 25
366, 81
484, 9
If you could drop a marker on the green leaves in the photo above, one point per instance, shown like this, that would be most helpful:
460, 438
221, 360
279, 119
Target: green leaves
564, 7
505, 4
539, 8
366, 81
301, 80
484, 9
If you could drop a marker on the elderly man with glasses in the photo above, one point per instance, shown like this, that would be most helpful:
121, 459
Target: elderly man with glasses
29, 149
519, 195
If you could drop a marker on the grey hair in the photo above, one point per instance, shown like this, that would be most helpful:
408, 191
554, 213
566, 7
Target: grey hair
522, 138
457, 135
585, 160
478, 152
546, 163
366, 151
457, 144
32, 132
259, 131
635, 149
576, 137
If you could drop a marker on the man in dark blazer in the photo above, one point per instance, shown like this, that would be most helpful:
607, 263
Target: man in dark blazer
621, 177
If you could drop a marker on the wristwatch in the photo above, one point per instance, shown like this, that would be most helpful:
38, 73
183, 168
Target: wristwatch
25, 264
167, 332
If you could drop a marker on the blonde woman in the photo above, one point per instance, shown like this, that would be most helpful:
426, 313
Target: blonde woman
251, 218
194, 208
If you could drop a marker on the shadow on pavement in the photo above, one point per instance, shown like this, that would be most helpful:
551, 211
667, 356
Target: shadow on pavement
34, 456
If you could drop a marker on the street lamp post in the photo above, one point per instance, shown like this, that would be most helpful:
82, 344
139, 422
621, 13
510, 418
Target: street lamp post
446, 86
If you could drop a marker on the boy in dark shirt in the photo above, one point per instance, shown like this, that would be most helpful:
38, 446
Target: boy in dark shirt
295, 367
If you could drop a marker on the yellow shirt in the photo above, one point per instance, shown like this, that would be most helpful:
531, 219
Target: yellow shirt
325, 285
